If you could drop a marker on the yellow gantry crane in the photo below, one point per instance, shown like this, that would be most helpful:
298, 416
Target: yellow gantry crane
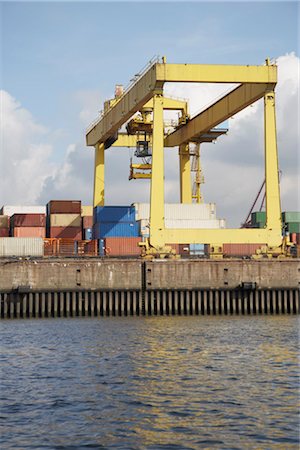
145, 95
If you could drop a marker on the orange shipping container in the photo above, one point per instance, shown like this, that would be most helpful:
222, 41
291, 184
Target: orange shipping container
122, 246
87, 222
29, 232
240, 249
65, 232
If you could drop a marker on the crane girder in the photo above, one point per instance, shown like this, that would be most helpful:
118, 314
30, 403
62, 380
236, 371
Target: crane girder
236, 100
152, 81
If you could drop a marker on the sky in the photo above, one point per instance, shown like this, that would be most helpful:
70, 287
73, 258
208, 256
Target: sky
61, 60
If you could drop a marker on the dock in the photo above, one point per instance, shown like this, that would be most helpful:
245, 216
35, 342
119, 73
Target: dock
88, 287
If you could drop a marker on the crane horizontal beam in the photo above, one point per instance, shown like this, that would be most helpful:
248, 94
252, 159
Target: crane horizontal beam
238, 99
215, 73
153, 80
224, 235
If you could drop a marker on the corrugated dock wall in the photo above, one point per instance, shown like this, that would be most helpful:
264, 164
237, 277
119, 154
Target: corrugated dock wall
95, 287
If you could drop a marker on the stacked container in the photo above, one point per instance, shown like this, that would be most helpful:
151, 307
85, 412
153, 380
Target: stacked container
28, 225
181, 215
87, 222
64, 219
291, 221
4, 226
115, 221
116, 230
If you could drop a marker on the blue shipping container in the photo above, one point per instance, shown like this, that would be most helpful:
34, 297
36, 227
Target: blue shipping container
114, 214
112, 229
197, 247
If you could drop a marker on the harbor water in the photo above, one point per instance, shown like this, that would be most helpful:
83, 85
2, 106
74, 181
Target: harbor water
217, 382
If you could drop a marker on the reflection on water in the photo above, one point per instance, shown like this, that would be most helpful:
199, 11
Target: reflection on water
150, 383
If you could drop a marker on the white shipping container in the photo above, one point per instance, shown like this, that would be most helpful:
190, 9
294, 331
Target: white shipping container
12, 246
192, 224
179, 211
20, 209
65, 220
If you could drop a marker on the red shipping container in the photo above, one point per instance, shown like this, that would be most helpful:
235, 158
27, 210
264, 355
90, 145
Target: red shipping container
122, 246
87, 222
28, 232
240, 249
65, 232
4, 232
64, 207
28, 220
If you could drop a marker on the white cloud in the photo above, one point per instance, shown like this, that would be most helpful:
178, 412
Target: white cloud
24, 153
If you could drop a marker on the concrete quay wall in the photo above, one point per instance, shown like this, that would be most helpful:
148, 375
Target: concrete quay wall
120, 274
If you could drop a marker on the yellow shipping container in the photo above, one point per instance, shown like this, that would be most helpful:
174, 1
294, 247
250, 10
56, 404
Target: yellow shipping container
65, 220
86, 211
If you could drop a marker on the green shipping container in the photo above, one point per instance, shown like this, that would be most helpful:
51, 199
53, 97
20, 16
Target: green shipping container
291, 216
258, 217
293, 227
258, 225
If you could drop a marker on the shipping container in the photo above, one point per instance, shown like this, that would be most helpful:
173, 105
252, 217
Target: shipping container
292, 227
112, 229
9, 210
86, 210
184, 249
37, 232
28, 220
4, 232
258, 225
4, 222
64, 220
122, 246
64, 207
195, 223
114, 214
21, 247
190, 211
74, 233
197, 249
258, 216
87, 221
88, 234
291, 216
240, 249
144, 226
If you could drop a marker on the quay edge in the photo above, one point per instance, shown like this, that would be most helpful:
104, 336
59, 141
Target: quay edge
62, 287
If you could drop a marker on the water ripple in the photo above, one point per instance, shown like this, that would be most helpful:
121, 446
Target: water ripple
150, 383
